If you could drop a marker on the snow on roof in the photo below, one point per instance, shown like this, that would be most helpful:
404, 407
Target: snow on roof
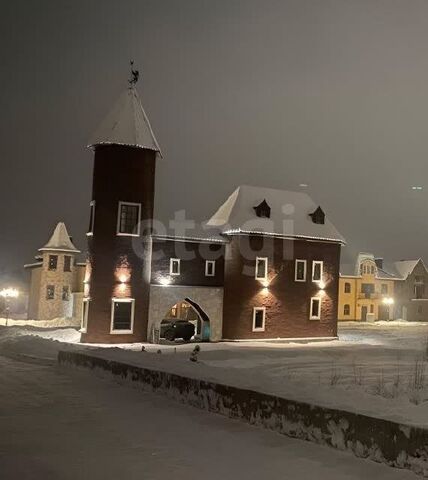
199, 232
60, 240
290, 215
406, 267
126, 124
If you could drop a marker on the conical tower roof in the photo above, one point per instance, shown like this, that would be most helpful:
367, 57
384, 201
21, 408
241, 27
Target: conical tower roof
126, 124
60, 241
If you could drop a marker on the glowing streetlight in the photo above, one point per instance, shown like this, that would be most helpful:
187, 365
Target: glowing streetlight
7, 294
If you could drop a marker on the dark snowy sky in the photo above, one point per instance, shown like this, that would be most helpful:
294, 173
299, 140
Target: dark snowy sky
274, 93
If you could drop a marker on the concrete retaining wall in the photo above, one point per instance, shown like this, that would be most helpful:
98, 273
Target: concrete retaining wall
380, 440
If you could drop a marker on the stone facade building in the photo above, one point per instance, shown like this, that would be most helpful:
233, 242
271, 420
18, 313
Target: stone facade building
265, 266
56, 279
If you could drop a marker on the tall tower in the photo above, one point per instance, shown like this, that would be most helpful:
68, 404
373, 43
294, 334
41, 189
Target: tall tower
116, 303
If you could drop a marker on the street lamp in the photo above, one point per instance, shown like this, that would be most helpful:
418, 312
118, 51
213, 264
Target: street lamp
7, 294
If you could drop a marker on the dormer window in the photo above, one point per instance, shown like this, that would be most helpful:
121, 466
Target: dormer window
318, 216
263, 210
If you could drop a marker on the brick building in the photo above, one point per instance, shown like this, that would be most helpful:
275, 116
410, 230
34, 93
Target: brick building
266, 265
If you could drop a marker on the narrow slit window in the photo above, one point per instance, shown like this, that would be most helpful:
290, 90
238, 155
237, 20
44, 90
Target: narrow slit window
85, 311
174, 266
209, 268
261, 268
91, 218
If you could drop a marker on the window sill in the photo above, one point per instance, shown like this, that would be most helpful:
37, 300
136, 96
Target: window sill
118, 234
121, 332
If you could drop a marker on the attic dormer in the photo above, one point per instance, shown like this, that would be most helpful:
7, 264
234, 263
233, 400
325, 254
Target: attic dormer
262, 210
318, 216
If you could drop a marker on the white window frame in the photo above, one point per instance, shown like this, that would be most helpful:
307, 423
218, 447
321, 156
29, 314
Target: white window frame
258, 309
265, 259
122, 300
313, 317
90, 232
320, 262
119, 208
84, 319
171, 261
305, 263
207, 264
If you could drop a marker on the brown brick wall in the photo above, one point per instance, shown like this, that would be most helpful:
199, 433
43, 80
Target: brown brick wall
192, 265
287, 302
120, 174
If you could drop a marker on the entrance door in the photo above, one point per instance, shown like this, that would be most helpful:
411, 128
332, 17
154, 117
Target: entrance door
364, 314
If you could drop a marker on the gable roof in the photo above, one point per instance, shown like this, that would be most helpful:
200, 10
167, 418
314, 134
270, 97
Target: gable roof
60, 241
290, 215
389, 271
126, 124
406, 267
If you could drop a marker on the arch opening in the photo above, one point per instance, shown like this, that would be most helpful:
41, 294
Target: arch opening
184, 321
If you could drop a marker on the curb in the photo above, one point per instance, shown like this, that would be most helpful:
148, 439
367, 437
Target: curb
383, 441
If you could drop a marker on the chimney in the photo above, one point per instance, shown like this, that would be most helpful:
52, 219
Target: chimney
379, 263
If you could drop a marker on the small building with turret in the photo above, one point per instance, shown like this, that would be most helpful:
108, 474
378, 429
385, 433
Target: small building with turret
56, 279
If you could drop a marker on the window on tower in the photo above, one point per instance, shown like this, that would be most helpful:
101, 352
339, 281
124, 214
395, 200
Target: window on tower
128, 222
53, 262
91, 218
67, 263
122, 315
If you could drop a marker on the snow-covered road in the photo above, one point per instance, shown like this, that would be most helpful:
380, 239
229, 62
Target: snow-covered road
58, 424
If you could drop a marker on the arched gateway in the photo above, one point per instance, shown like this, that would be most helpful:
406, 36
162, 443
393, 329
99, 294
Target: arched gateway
207, 301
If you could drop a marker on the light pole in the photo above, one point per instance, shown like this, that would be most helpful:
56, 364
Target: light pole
7, 294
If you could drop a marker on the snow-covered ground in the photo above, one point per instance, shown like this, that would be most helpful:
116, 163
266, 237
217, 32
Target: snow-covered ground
380, 369
62, 424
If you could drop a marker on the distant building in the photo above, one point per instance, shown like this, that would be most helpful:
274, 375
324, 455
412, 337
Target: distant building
372, 290
411, 293
366, 290
56, 280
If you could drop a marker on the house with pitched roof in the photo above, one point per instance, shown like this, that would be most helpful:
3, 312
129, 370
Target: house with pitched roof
371, 290
264, 266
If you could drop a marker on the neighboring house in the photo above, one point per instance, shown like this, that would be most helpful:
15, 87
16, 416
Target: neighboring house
266, 265
372, 290
56, 283
411, 293
366, 290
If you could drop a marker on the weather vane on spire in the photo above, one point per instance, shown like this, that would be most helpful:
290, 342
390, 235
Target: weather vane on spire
135, 74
